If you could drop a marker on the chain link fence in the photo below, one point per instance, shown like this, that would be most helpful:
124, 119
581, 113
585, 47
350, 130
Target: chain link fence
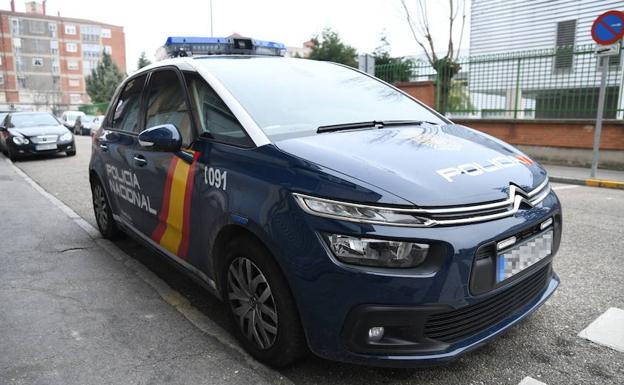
560, 83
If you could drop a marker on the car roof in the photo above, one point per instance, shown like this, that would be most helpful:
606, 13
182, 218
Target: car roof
189, 63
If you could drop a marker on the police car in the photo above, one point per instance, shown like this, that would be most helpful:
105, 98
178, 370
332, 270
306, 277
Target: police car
330, 211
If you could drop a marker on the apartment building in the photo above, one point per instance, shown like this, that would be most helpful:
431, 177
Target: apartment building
44, 59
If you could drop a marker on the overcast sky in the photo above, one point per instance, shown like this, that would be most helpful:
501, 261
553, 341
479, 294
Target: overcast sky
360, 23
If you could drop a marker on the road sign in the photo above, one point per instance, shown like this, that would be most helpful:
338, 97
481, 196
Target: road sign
608, 50
608, 28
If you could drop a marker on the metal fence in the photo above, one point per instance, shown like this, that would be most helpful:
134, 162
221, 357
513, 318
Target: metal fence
558, 83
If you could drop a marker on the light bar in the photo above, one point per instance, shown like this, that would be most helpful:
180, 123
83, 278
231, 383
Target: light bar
179, 46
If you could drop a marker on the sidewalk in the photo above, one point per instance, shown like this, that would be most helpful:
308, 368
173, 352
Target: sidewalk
74, 314
580, 175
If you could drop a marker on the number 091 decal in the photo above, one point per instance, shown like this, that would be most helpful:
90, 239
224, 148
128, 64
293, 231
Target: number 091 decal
215, 178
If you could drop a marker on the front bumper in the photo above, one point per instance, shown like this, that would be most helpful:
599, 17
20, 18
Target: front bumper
31, 149
339, 303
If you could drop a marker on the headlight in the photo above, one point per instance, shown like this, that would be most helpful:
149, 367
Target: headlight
360, 213
20, 140
377, 252
66, 137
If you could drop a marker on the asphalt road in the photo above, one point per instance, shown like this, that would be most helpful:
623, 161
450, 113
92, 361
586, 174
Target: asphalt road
544, 347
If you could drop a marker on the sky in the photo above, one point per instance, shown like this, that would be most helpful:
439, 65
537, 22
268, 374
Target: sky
359, 23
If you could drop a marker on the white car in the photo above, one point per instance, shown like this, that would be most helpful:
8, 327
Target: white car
69, 118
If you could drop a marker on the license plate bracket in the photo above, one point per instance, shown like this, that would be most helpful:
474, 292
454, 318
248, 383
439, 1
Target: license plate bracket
523, 255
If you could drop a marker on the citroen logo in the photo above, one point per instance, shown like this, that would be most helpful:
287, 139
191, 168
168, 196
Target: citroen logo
518, 196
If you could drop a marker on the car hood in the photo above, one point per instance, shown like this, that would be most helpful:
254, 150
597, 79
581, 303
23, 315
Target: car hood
40, 130
426, 165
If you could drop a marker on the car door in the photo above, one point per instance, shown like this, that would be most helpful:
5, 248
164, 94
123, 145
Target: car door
165, 179
118, 135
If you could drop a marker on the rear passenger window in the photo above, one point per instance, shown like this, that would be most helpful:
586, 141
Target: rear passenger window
126, 115
215, 118
166, 104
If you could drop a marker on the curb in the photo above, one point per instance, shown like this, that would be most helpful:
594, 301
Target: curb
605, 183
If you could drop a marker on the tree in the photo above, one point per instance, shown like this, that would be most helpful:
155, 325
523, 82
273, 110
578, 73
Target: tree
392, 69
143, 61
446, 66
329, 47
103, 80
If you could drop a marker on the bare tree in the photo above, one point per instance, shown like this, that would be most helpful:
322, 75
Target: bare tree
446, 66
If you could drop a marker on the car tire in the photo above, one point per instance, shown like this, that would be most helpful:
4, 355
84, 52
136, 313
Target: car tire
270, 328
70, 153
102, 210
11, 155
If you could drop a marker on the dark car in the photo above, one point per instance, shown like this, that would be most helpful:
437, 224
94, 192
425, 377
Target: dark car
34, 133
84, 124
329, 210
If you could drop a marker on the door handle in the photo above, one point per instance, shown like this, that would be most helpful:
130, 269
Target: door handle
139, 160
103, 146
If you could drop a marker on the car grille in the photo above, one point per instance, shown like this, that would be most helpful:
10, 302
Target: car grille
455, 325
44, 139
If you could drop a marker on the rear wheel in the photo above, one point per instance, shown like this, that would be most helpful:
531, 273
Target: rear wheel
261, 308
102, 210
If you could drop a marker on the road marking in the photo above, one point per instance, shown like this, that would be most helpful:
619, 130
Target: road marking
530, 381
565, 187
172, 297
607, 330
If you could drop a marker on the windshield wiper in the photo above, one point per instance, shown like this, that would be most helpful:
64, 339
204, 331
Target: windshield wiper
371, 124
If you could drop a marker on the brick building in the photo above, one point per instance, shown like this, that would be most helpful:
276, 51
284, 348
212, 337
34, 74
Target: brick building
44, 59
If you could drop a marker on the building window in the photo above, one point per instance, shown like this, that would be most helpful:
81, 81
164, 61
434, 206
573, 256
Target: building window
19, 63
75, 98
108, 49
17, 42
55, 66
1, 79
106, 33
21, 81
52, 27
74, 82
564, 57
71, 47
37, 62
70, 29
72, 65
15, 26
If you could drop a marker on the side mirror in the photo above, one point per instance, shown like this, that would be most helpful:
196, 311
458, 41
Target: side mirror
2, 128
165, 137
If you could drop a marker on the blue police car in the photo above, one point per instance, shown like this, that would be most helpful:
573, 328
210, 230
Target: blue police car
330, 211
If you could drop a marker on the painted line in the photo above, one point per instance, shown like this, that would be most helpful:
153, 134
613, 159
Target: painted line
607, 330
172, 297
557, 188
530, 381
604, 183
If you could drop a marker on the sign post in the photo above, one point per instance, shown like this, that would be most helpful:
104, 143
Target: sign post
607, 30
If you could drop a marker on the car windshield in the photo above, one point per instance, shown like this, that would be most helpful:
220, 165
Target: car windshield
293, 97
34, 119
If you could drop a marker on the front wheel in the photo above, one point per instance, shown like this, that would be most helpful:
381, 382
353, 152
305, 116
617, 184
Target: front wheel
70, 153
102, 210
261, 307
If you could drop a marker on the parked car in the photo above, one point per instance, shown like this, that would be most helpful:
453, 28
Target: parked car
69, 119
97, 122
84, 125
33, 133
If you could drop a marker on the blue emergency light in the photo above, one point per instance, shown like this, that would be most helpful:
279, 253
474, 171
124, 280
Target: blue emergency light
177, 46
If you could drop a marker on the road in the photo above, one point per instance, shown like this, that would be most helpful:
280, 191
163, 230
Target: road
545, 347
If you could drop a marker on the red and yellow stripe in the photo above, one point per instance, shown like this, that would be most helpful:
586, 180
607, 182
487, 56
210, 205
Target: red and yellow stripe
174, 221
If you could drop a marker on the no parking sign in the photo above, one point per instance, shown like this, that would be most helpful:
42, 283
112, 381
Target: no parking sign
608, 28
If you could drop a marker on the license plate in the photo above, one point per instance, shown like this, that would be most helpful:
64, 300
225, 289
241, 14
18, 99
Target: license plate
526, 254
43, 147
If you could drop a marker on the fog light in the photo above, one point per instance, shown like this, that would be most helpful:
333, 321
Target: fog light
505, 243
546, 223
375, 334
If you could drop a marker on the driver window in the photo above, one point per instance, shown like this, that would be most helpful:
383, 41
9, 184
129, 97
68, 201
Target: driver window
166, 104
215, 118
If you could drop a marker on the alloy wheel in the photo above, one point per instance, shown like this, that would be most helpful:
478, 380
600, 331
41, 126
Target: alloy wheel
101, 206
252, 302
